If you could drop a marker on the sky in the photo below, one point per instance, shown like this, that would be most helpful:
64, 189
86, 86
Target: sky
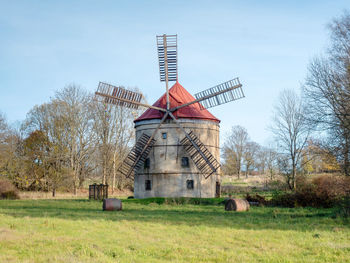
46, 45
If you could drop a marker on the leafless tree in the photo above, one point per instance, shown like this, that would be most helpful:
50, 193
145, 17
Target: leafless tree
233, 150
67, 123
76, 112
10, 146
250, 155
113, 126
47, 132
3, 139
291, 130
327, 91
271, 161
3, 127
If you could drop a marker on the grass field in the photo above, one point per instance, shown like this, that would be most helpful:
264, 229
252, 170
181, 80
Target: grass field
79, 231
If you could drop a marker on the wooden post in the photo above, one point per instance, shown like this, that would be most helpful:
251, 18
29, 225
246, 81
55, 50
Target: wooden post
166, 72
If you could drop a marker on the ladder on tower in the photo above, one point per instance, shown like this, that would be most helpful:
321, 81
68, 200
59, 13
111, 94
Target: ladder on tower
200, 155
137, 155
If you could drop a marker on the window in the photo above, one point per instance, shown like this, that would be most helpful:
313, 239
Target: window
189, 184
147, 163
164, 135
148, 185
185, 162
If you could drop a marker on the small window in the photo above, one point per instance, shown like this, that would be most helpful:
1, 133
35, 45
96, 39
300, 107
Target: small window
189, 184
185, 162
164, 135
148, 185
147, 163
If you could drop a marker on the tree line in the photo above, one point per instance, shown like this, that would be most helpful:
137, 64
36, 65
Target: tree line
62, 143
311, 130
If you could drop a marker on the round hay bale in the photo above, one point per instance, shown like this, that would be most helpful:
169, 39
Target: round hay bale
237, 205
112, 204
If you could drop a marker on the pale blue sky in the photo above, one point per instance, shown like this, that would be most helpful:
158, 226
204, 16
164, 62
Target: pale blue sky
45, 45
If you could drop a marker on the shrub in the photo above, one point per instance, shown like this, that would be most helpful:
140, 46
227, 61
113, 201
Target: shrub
8, 190
329, 187
321, 191
343, 209
277, 185
256, 198
285, 199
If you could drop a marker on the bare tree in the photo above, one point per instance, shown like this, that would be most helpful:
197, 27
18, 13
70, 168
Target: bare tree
67, 123
74, 109
47, 130
113, 126
11, 140
327, 91
233, 150
250, 155
291, 130
271, 161
3, 127
3, 141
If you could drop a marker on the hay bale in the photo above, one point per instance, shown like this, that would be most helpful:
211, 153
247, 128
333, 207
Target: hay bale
237, 205
112, 204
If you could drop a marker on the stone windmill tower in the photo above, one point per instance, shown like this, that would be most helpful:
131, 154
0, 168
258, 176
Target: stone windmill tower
176, 153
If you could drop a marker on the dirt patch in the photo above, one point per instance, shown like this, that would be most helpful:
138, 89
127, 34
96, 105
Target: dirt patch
7, 234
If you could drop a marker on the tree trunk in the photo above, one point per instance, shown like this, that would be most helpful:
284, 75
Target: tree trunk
104, 172
114, 171
53, 192
346, 159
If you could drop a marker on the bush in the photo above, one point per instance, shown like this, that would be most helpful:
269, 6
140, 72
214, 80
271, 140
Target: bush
329, 187
343, 209
322, 191
8, 190
285, 199
256, 198
277, 185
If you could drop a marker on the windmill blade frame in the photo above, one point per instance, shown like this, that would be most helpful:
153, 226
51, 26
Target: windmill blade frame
220, 94
206, 155
167, 57
223, 93
140, 155
120, 96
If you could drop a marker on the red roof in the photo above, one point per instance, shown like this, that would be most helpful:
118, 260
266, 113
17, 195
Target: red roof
178, 96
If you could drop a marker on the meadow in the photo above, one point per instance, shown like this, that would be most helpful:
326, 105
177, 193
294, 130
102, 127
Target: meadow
77, 230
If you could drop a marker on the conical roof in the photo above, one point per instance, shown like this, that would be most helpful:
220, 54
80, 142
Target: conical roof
178, 96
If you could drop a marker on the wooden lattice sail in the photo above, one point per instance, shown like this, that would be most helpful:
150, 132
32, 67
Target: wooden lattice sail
137, 155
200, 155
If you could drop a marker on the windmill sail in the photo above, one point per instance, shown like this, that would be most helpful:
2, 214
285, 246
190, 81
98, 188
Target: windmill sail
118, 95
137, 155
200, 155
220, 94
167, 56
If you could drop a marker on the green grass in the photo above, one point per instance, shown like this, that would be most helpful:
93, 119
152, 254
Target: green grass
79, 231
236, 183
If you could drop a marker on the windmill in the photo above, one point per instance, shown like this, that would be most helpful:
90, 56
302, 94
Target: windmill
168, 114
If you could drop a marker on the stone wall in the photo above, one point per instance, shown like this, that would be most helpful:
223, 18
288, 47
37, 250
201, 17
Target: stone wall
167, 175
